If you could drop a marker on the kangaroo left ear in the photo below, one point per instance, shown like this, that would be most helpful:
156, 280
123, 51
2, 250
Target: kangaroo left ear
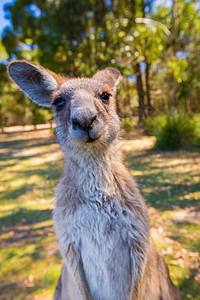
35, 81
110, 76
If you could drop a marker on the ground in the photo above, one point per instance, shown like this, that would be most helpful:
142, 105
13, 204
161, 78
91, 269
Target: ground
31, 163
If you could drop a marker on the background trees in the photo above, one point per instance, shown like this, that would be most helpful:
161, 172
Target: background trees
154, 44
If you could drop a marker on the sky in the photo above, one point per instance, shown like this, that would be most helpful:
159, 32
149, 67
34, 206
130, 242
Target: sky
3, 21
32, 8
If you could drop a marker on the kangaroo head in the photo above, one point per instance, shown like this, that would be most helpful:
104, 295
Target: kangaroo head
84, 108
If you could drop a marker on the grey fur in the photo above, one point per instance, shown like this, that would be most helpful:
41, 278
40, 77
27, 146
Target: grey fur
34, 81
101, 220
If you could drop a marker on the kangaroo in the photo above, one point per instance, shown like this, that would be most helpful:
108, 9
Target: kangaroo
100, 217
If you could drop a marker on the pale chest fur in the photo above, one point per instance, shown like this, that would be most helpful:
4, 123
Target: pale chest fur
108, 233
100, 234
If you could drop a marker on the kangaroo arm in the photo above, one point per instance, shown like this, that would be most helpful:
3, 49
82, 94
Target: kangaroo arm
75, 264
133, 285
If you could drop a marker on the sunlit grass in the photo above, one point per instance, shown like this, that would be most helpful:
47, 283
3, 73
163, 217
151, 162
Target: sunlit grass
29, 257
31, 164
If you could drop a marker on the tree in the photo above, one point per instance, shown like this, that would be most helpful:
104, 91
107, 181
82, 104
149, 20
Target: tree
156, 48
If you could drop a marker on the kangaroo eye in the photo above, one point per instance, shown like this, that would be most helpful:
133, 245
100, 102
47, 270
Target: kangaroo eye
105, 96
59, 104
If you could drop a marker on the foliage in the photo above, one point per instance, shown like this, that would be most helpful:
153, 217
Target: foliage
197, 129
76, 39
173, 132
128, 124
153, 124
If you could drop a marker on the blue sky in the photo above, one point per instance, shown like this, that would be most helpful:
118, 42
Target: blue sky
3, 21
33, 9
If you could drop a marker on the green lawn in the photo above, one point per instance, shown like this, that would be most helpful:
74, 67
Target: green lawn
30, 166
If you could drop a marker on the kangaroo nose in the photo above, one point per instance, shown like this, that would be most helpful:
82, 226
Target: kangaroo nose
84, 123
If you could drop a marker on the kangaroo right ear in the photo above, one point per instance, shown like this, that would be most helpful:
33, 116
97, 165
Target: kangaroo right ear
110, 76
35, 81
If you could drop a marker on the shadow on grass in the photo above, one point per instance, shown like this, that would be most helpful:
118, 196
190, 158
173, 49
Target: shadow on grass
15, 193
24, 216
190, 240
168, 198
190, 286
47, 174
24, 143
21, 289
12, 147
164, 186
28, 235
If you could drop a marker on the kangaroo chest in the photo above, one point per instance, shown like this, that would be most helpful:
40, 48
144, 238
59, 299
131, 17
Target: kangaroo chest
99, 233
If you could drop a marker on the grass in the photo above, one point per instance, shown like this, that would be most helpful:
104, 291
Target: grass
31, 163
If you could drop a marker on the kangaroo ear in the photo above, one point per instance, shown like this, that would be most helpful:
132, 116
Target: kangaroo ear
35, 81
110, 76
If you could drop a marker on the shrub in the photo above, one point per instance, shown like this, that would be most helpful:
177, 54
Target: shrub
174, 132
128, 124
197, 129
153, 124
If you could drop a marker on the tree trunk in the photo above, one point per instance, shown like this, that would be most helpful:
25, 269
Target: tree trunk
128, 98
118, 108
175, 50
140, 92
175, 85
138, 74
133, 9
149, 107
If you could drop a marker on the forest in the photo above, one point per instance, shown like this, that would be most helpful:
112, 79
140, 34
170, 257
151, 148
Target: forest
155, 45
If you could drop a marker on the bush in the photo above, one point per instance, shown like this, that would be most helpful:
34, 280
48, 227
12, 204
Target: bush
197, 129
128, 124
174, 132
153, 124
171, 134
